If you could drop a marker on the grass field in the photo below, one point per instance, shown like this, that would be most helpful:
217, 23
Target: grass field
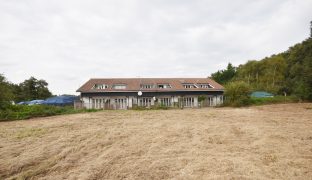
262, 142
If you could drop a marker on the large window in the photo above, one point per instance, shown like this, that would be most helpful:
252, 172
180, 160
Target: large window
119, 86
146, 102
165, 101
100, 86
188, 101
120, 103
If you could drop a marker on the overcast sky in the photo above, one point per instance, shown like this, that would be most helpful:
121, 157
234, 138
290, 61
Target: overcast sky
67, 42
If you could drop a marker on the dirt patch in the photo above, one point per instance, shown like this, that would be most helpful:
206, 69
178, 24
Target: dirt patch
264, 142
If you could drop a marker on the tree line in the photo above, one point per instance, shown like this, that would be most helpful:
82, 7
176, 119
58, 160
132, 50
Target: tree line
286, 73
29, 89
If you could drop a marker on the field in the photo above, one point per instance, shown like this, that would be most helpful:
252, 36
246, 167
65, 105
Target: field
261, 142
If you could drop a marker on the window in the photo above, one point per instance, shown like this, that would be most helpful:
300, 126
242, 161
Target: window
146, 102
205, 86
163, 86
165, 101
188, 102
147, 86
100, 86
119, 86
120, 103
189, 86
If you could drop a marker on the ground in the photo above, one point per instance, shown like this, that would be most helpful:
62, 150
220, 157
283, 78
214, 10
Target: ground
263, 142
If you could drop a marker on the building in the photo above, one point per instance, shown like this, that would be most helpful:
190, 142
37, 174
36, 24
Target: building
131, 92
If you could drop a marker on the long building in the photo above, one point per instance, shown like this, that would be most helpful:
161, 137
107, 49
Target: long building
126, 93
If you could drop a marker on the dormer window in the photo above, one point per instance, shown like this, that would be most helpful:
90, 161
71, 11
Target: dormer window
205, 86
147, 86
100, 86
189, 86
119, 86
163, 86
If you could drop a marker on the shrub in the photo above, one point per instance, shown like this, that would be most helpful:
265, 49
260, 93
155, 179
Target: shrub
15, 112
273, 100
237, 94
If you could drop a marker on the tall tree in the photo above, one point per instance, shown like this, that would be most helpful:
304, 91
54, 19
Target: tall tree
6, 94
33, 88
299, 69
224, 76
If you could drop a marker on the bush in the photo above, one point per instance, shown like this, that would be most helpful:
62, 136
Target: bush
237, 94
15, 112
273, 100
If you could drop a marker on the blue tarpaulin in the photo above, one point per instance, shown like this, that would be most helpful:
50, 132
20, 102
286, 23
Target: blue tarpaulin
261, 94
37, 101
60, 100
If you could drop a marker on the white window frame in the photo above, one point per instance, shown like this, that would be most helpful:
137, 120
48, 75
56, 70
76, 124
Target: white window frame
189, 86
119, 86
147, 86
100, 86
164, 86
205, 85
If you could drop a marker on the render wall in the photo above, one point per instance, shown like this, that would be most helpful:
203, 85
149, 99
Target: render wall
126, 100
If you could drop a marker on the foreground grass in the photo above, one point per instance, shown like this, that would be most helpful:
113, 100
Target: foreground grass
257, 142
18, 112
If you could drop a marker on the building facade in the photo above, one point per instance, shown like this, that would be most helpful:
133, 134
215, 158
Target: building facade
149, 92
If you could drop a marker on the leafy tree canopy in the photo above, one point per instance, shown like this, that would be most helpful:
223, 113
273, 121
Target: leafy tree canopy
224, 76
288, 73
30, 89
6, 94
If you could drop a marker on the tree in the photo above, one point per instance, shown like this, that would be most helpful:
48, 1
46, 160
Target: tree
33, 88
299, 70
6, 94
237, 93
224, 76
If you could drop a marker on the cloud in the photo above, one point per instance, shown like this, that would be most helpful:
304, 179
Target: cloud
68, 42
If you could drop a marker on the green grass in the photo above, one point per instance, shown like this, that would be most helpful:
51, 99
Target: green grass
273, 100
18, 112
254, 101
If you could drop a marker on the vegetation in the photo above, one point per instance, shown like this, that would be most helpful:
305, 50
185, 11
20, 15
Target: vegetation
273, 100
224, 76
15, 112
6, 94
288, 73
237, 94
30, 89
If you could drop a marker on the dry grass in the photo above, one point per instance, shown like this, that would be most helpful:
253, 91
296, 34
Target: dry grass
265, 142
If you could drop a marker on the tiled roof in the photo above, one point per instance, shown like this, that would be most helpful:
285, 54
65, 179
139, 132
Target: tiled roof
134, 84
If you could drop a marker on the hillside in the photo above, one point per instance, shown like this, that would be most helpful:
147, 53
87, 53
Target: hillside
288, 72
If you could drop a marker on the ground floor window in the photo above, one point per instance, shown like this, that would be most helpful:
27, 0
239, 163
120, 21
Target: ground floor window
120, 103
100, 103
188, 101
146, 102
210, 101
165, 101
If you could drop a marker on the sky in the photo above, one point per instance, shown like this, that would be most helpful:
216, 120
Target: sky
67, 42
